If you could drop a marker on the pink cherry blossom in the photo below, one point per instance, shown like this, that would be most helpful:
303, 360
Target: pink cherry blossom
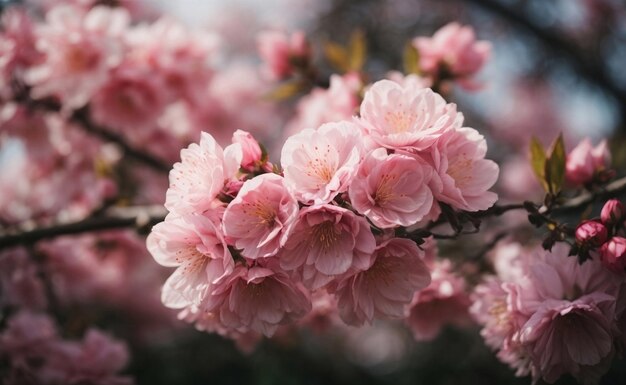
19, 281
130, 102
80, 50
327, 241
181, 56
558, 317
462, 173
387, 287
584, 161
406, 116
443, 302
452, 50
319, 164
392, 190
27, 335
340, 101
195, 246
258, 298
198, 178
259, 220
281, 52
95, 360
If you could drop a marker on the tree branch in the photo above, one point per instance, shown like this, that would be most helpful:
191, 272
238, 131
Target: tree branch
81, 117
141, 217
138, 217
589, 66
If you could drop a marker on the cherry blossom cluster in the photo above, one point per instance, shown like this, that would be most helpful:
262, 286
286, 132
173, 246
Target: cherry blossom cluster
604, 237
37, 354
548, 315
252, 241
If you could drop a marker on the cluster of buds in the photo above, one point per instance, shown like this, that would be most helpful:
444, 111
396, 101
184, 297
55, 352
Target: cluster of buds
604, 237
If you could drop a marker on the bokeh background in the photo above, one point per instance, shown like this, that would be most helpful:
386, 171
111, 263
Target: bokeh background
557, 66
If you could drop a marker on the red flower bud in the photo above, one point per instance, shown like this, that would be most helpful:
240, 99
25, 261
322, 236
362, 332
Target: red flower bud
613, 254
612, 212
592, 233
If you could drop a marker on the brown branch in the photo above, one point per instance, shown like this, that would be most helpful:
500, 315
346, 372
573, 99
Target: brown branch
81, 117
137, 217
140, 217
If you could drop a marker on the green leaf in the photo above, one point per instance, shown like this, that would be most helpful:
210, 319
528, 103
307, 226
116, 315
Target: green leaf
337, 56
285, 91
555, 166
410, 59
358, 50
538, 161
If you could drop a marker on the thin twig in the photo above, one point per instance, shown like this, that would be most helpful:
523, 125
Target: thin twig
138, 217
81, 117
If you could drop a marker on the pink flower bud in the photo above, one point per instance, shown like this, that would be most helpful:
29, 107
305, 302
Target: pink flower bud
612, 212
251, 149
585, 161
592, 233
613, 253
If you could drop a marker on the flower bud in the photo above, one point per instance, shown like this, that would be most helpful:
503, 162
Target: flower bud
591, 233
612, 212
584, 162
613, 254
251, 149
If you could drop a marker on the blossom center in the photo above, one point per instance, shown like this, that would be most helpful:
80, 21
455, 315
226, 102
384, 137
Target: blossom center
399, 121
384, 191
326, 234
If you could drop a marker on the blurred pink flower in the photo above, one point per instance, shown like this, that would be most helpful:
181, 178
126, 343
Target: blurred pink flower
557, 317
80, 50
392, 190
130, 102
340, 101
282, 53
180, 56
443, 302
259, 220
585, 161
453, 52
95, 360
319, 164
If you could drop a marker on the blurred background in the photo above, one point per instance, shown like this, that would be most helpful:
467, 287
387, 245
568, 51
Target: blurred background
556, 66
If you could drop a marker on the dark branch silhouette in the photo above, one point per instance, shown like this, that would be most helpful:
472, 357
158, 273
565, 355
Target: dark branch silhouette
589, 66
81, 117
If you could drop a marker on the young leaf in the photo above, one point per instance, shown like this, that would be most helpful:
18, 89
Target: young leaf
411, 59
538, 161
285, 91
358, 50
555, 166
337, 56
